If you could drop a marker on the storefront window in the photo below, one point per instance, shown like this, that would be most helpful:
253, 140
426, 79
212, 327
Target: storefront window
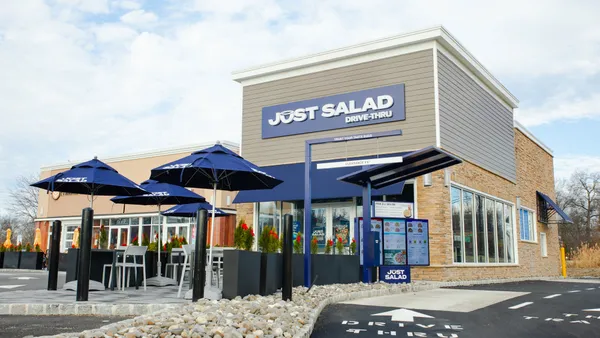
69, 231
268, 215
500, 233
491, 226
319, 226
468, 227
341, 224
487, 228
480, 225
456, 228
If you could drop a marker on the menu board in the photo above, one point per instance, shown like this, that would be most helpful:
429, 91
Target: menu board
417, 235
394, 241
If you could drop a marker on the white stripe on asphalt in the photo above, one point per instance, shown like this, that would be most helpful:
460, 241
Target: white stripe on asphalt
10, 286
552, 296
520, 305
590, 289
573, 291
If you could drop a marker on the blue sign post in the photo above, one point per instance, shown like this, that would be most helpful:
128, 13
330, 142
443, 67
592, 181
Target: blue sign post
308, 200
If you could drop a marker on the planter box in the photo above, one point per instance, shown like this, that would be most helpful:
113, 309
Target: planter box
11, 260
1, 259
241, 273
335, 269
62, 262
271, 270
297, 270
31, 260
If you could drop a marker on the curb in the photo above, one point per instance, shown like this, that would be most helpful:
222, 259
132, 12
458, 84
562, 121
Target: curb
96, 309
27, 271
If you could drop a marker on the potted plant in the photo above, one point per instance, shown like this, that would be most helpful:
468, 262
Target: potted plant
134, 241
329, 247
31, 260
271, 261
12, 257
145, 241
353, 247
103, 240
298, 261
339, 245
241, 267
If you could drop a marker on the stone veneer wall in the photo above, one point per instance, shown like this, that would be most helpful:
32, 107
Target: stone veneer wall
535, 171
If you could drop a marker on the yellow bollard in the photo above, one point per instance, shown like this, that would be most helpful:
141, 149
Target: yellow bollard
563, 261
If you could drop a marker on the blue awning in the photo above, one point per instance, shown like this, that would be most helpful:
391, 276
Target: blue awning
413, 164
552, 206
324, 184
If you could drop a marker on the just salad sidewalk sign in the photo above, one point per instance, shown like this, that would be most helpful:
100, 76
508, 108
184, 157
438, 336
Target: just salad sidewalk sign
394, 274
365, 107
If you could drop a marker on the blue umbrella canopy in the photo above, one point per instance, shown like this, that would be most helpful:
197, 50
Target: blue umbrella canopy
215, 168
190, 210
91, 178
160, 194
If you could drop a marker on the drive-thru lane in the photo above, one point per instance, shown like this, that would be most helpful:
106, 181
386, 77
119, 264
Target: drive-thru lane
522, 309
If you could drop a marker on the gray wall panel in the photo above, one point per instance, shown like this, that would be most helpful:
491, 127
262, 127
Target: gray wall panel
473, 124
415, 70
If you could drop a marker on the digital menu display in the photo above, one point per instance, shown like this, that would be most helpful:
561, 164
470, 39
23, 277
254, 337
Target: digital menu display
417, 238
394, 241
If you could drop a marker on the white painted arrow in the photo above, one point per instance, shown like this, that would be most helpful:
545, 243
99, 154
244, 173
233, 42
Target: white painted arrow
596, 310
25, 278
402, 315
10, 286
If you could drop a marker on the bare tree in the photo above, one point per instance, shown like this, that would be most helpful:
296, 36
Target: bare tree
23, 207
585, 188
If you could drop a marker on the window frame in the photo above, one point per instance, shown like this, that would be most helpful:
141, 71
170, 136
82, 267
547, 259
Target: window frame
496, 200
534, 219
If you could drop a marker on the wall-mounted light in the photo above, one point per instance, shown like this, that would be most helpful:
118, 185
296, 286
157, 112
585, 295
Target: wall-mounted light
518, 202
427, 180
447, 177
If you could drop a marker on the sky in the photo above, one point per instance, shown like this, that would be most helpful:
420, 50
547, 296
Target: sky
109, 77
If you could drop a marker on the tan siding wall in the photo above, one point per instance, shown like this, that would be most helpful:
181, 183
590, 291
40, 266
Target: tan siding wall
415, 70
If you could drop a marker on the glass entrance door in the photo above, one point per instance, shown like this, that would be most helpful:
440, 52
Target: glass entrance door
333, 220
119, 236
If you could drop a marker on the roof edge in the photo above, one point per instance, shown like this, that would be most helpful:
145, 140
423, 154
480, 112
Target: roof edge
146, 154
437, 33
532, 137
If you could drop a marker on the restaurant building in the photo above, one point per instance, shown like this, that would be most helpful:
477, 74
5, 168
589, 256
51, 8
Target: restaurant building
124, 223
490, 216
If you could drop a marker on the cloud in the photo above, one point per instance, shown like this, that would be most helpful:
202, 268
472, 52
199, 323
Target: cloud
127, 4
566, 165
565, 106
82, 78
139, 17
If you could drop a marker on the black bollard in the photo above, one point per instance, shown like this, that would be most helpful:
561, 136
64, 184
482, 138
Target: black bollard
54, 256
200, 255
85, 255
286, 293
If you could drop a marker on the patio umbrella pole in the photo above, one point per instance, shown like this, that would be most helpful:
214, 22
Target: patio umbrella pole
212, 234
159, 280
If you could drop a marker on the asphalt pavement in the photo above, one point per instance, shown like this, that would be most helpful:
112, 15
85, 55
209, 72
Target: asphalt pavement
24, 280
521, 309
23, 326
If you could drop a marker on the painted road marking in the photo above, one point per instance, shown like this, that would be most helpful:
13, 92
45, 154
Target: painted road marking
592, 310
402, 315
590, 289
518, 306
453, 300
25, 278
573, 291
10, 286
552, 296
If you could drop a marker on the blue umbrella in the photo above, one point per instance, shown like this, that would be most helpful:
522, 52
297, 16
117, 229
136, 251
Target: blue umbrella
92, 178
159, 194
215, 167
191, 209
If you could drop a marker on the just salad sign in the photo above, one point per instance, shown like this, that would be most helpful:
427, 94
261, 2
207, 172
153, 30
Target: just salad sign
371, 106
